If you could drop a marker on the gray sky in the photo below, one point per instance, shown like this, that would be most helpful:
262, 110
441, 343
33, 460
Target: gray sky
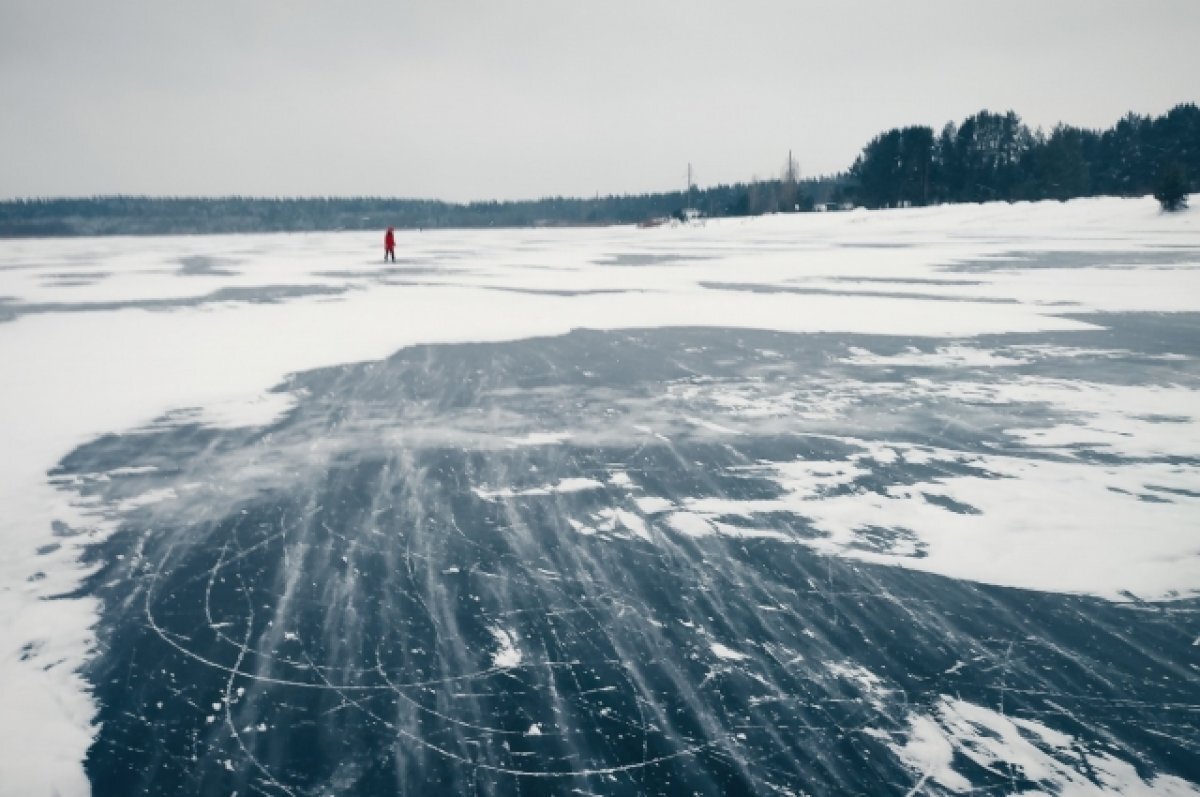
479, 99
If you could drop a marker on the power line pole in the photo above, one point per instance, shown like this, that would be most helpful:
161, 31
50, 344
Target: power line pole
791, 177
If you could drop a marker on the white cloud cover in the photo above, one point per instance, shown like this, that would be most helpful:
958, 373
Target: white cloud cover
392, 97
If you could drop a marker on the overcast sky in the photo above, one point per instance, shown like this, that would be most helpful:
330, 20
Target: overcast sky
459, 99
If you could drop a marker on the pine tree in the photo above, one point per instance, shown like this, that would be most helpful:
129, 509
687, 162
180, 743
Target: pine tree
1171, 188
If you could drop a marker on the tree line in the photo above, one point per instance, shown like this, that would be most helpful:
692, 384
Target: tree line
142, 215
989, 156
995, 156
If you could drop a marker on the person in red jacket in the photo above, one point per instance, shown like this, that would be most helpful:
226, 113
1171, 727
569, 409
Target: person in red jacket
389, 245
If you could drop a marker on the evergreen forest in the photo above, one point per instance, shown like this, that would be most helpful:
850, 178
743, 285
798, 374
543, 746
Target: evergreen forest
987, 157
994, 156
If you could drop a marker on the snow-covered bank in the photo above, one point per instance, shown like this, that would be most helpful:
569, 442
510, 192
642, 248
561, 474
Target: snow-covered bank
107, 335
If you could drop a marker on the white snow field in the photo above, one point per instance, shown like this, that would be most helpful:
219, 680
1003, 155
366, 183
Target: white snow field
108, 335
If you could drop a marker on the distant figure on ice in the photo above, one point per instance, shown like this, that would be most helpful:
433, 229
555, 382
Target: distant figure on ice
389, 245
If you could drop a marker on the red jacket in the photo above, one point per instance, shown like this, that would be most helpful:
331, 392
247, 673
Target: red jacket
389, 239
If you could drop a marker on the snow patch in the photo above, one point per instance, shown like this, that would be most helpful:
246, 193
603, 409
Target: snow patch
690, 524
955, 356
507, 655
620, 479
572, 485
1055, 761
726, 653
653, 505
540, 439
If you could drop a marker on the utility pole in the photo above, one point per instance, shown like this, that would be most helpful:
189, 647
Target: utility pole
791, 175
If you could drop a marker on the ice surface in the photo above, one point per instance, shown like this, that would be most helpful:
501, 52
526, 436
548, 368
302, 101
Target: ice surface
792, 412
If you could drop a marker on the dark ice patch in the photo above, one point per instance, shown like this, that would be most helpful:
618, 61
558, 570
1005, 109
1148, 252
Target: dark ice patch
265, 294
874, 245
327, 602
761, 288
206, 266
402, 267
909, 280
945, 502
891, 541
74, 279
1174, 491
557, 291
647, 259
1028, 260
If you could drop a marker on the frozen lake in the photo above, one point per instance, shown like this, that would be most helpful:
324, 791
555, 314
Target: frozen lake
900, 502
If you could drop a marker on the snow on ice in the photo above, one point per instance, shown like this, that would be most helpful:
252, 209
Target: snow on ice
1001, 395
